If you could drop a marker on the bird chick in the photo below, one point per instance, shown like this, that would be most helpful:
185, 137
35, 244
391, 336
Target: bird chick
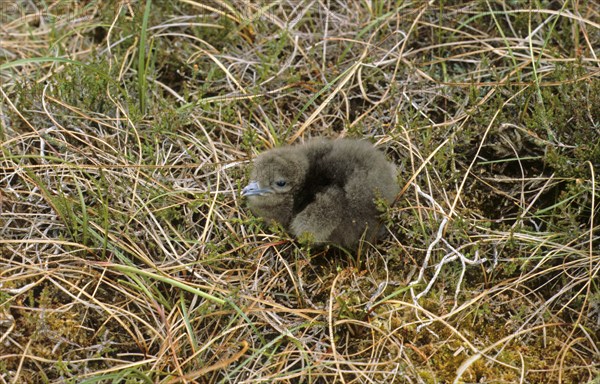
324, 191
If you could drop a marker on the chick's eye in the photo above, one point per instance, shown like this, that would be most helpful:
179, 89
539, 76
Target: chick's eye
280, 183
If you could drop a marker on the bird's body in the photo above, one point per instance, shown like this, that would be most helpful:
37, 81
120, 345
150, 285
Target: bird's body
325, 190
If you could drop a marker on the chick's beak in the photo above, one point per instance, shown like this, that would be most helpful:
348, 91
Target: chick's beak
253, 189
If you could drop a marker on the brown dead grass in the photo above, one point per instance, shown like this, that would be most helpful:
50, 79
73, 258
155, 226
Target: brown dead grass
126, 253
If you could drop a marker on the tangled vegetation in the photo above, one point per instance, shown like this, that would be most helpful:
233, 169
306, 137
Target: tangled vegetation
127, 129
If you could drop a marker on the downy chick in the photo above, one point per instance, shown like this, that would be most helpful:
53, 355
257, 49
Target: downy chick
324, 191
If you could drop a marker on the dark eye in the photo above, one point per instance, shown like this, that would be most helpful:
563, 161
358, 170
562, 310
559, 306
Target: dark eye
280, 183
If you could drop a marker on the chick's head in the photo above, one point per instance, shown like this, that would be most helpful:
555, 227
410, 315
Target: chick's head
276, 177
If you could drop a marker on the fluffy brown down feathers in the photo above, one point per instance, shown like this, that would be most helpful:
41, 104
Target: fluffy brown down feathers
324, 190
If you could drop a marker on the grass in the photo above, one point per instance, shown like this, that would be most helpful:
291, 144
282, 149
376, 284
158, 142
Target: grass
126, 133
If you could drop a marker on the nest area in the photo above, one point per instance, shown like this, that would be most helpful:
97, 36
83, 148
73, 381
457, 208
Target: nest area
128, 254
